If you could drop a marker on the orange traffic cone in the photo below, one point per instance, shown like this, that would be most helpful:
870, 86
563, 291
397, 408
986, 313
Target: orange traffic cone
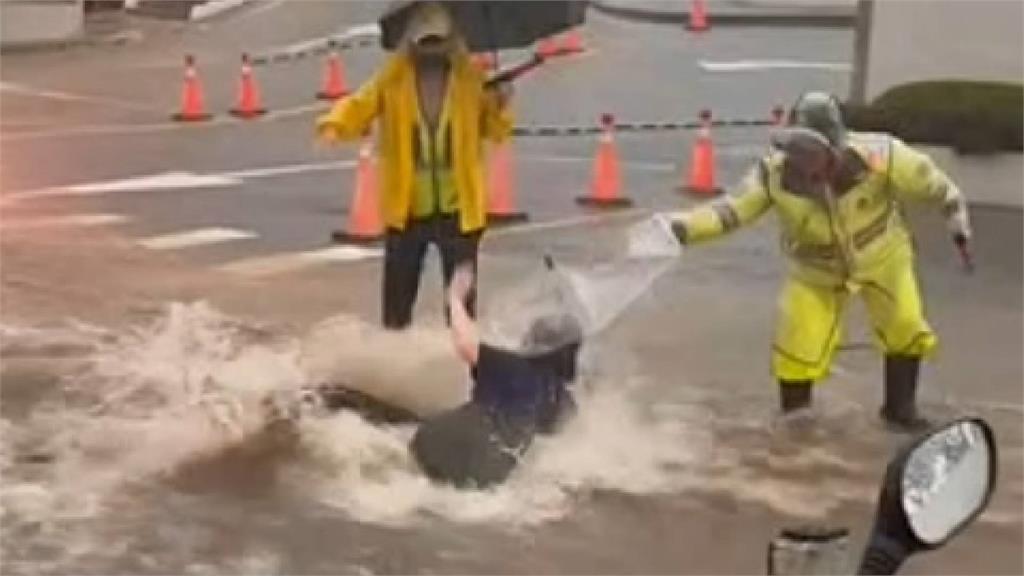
702, 164
547, 47
778, 116
191, 95
485, 61
364, 224
248, 94
698, 16
607, 182
572, 42
334, 79
501, 205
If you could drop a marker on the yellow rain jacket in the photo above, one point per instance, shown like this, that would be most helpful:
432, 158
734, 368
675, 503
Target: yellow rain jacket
474, 114
845, 244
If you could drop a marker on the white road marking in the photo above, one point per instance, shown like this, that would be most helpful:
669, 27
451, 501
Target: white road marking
197, 237
754, 65
291, 169
292, 261
287, 262
23, 90
179, 180
624, 214
265, 7
165, 181
133, 129
90, 219
371, 29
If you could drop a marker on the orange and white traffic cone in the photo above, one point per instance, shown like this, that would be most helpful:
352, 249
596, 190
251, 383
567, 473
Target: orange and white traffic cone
191, 95
605, 189
334, 79
248, 94
485, 61
501, 205
547, 47
701, 180
364, 222
698, 21
778, 116
572, 42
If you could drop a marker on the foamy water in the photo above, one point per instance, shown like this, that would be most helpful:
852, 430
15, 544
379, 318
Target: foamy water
136, 405
194, 381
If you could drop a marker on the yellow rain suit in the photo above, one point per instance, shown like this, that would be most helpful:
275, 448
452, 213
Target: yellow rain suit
856, 242
472, 114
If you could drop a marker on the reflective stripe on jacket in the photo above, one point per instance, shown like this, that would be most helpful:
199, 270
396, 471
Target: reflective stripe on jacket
830, 239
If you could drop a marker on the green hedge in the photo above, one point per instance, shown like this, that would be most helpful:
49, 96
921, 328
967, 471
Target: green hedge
971, 117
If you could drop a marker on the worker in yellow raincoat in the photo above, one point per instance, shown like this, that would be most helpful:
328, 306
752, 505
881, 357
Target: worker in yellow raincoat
838, 196
434, 113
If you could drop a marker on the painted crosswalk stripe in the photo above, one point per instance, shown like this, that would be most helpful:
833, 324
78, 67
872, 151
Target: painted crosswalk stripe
754, 65
179, 180
198, 237
91, 219
292, 261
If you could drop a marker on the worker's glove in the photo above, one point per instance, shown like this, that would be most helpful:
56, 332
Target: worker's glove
960, 228
654, 237
963, 248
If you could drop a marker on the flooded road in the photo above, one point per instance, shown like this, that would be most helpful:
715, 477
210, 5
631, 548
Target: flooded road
148, 450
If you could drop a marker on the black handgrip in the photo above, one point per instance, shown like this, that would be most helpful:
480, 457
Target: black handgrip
514, 72
883, 556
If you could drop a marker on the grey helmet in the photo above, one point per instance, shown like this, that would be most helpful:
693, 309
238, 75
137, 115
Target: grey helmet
820, 112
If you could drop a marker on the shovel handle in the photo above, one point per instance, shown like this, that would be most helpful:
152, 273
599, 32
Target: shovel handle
515, 71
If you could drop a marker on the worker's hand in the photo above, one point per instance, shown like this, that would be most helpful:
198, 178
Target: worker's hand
654, 238
502, 93
462, 282
963, 248
960, 228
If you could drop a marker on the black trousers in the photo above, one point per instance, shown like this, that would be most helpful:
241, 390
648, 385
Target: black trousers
404, 251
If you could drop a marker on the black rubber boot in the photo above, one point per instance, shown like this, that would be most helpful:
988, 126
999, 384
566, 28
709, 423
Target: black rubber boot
794, 395
900, 408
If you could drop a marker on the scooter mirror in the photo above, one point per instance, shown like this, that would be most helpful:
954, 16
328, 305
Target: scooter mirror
933, 489
947, 479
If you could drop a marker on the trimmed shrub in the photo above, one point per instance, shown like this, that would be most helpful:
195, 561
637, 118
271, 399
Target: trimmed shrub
970, 117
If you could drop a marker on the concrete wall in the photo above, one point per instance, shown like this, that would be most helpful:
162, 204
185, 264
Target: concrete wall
29, 22
909, 40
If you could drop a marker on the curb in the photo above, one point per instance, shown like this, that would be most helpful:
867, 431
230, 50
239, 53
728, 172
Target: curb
211, 8
780, 20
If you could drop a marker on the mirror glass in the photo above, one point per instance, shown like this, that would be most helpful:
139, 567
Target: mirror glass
945, 480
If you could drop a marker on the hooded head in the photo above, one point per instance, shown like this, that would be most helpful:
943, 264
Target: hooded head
811, 162
430, 32
819, 111
554, 341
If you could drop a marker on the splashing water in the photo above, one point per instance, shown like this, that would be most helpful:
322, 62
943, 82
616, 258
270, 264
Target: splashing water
194, 382
596, 296
612, 445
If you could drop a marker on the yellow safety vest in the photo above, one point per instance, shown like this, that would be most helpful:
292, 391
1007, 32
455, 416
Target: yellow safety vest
434, 191
831, 240
390, 95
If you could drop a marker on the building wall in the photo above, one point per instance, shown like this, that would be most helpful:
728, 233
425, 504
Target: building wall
909, 40
28, 22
